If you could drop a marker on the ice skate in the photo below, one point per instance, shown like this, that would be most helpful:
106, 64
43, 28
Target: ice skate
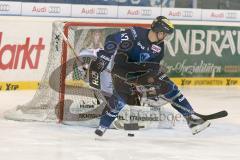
197, 124
100, 131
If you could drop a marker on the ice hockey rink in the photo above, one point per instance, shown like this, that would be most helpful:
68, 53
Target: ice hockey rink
53, 141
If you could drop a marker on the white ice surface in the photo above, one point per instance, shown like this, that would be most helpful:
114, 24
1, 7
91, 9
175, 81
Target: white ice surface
44, 141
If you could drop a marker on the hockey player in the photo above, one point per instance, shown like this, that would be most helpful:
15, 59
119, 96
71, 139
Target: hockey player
135, 55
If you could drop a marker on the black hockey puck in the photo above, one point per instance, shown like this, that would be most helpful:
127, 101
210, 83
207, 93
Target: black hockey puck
130, 135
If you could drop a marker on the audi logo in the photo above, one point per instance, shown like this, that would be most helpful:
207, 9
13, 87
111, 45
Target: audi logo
102, 11
4, 7
54, 9
187, 14
146, 12
231, 15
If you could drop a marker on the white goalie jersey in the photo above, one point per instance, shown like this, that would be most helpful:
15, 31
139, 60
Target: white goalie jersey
105, 76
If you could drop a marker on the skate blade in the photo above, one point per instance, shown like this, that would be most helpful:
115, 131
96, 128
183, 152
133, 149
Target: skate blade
199, 128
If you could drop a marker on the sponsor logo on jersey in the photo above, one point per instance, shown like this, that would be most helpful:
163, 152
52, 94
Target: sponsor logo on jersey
156, 49
140, 45
134, 33
144, 56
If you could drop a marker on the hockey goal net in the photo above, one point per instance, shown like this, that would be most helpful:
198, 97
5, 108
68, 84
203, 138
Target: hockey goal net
62, 95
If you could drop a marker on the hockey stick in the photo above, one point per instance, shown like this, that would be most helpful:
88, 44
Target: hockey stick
215, 115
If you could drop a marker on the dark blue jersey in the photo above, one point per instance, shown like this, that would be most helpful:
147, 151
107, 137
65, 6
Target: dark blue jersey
141, 49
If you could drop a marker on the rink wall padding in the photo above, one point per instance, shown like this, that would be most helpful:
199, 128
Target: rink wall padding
183, 82
196, 55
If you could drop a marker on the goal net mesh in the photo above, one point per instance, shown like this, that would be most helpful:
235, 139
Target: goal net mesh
44, 106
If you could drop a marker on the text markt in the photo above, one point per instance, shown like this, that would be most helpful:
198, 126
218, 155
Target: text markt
15, 56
